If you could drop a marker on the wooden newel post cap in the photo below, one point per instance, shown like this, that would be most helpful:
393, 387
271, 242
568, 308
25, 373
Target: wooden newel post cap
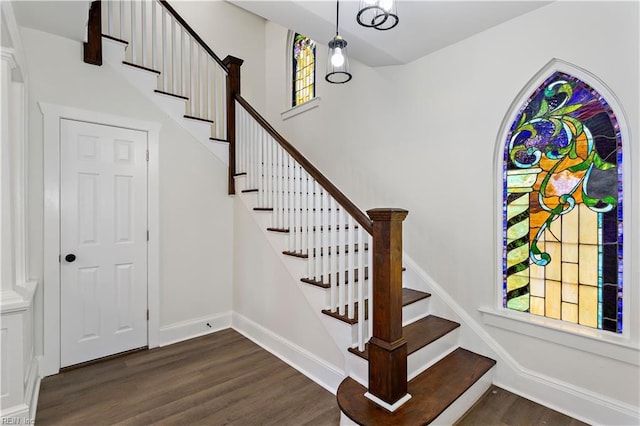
229, 60
387, 214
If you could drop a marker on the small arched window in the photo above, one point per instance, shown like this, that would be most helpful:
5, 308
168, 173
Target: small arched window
304, 69
562, 206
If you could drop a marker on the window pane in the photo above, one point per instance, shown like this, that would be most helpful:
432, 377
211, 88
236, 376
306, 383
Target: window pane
562, 206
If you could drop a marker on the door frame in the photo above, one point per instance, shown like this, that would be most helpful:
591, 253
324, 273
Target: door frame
51, 245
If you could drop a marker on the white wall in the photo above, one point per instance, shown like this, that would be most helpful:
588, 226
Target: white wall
229, 30
422, 137
195, 212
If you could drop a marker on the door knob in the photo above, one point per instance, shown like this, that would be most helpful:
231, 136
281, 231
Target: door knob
70, 257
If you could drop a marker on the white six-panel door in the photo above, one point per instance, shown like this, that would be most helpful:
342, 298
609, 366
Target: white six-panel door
103, 215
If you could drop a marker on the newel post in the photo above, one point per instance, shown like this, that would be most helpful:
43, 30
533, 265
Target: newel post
93, 45
233, 88
387, 346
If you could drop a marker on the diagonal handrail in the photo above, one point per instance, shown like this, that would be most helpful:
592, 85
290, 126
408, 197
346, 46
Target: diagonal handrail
192, 33
342, 199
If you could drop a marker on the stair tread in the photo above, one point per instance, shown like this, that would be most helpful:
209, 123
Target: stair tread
305, 255
418, 334
175, 95
409, 296
131, 64
193, 117
431, 392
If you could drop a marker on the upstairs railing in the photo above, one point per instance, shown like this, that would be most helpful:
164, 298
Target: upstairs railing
324, 226
160, 40
358, 257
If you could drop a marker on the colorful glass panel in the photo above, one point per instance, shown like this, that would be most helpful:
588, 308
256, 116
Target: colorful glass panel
304, 69
562, 207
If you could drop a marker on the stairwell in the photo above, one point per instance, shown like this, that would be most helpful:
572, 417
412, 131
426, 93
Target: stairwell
403, 364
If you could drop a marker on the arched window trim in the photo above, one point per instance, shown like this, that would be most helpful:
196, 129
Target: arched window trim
290, 111
539, 326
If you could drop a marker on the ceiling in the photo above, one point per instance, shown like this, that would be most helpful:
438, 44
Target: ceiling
424, 26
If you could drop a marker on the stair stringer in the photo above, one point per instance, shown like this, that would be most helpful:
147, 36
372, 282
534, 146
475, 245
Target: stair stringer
146, 82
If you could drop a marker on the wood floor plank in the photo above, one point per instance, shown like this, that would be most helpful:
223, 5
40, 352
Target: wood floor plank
502, 408
222, 378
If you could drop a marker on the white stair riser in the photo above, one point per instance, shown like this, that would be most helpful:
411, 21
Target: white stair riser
147, 82
465, 401
415, 311
417, 362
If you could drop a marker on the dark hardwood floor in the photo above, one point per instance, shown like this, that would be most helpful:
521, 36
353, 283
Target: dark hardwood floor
224, 379
219, 379
499, 407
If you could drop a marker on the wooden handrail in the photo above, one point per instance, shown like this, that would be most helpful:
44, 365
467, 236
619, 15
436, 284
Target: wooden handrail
340, 198
192, 33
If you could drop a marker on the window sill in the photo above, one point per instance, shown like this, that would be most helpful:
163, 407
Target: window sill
299, 109
571, 335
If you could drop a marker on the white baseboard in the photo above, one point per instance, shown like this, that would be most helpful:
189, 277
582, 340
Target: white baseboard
326, 375
574, 401
196, 327
33, 386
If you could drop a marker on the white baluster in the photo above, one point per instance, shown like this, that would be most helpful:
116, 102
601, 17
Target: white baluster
238, 136
174, 58
285, 195
192, 81
370, 284
292, 204
223, 102
324, 209
317, 203
280, 195
310, 225
260, 158
217, 98
361, 288
200, 84
304, 212
351, 267
121, 8
109, 17
209, 91
341, 259
154, 30
183, 63
132, 41
143, 27
165, 64
298, 211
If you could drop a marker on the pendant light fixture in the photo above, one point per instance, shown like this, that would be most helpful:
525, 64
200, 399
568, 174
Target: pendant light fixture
337, 62
379, 14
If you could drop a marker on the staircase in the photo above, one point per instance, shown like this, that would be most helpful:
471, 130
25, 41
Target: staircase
404, 364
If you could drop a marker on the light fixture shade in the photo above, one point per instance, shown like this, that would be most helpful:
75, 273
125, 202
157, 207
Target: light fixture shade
379, 14
338, 62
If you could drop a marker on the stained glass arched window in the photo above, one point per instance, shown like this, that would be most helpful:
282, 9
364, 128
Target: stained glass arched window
562, 206
304, 69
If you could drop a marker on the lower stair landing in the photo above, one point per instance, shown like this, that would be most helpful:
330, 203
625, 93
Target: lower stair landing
432, 392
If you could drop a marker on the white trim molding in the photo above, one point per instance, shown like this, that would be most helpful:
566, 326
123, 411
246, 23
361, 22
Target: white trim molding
52, 116
299, 109
574, 336
179, 332
320, 371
